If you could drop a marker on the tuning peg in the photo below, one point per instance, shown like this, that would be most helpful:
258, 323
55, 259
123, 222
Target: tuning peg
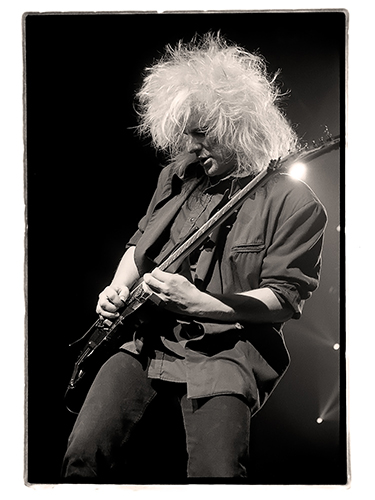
327, 133
301, 146
273, 164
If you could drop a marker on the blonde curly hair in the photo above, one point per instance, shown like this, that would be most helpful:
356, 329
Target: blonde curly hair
227, 90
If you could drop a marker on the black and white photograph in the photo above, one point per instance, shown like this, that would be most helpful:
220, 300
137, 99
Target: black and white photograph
184, 180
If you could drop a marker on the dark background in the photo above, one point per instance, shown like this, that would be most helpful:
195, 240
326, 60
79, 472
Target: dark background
89, 179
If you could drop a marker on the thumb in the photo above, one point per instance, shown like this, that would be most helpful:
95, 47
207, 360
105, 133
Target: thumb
123, 293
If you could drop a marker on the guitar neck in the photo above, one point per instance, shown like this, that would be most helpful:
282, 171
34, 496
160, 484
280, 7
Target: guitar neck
177, 256
138, 296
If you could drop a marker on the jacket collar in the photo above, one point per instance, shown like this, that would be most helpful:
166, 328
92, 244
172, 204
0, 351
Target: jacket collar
194, 171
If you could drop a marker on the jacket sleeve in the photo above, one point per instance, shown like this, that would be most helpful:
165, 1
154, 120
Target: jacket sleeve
142, 224
292, 264
291, 267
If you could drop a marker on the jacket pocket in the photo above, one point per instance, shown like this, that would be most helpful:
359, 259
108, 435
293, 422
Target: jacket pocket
248, 248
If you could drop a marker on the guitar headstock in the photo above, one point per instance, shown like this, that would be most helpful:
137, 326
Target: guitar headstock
307, 152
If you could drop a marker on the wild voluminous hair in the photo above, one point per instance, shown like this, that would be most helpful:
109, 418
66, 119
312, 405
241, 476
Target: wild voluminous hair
226, 91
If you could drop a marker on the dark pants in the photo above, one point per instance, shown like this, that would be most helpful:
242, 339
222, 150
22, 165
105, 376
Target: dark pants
124, 410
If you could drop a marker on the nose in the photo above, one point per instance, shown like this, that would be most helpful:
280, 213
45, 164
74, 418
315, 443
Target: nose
194, 145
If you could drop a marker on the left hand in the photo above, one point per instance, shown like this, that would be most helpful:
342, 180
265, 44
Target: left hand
176, 292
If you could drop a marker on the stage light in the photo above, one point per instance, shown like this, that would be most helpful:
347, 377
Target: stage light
298, 170
319, 420
336, 347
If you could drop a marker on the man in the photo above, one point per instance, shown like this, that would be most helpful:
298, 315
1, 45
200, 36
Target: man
214, 345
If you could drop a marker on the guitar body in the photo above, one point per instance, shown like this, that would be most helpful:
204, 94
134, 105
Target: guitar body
97, 349
101, 342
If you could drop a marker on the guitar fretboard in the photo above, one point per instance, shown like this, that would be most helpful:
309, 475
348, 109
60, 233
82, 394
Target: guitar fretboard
138, 296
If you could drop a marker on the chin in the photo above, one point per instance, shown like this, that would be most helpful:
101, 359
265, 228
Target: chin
211, 171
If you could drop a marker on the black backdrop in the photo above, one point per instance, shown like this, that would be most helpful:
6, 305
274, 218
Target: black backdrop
89, 179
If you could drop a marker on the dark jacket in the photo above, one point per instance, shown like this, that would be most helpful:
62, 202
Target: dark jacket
275, 241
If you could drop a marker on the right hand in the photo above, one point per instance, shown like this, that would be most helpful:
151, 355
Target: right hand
111, 299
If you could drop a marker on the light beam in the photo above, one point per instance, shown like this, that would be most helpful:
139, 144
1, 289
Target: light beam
298, 170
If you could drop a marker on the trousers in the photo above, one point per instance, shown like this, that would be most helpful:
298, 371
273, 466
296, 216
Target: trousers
136, 430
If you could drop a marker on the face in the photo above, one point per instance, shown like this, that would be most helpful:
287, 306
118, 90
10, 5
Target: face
215, 162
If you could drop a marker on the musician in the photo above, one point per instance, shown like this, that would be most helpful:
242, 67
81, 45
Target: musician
214, 345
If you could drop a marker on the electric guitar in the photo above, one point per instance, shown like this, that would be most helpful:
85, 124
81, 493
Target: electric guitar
102, 340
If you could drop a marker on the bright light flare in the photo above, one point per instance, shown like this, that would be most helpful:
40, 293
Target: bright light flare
336, 347
298, 170
319, 420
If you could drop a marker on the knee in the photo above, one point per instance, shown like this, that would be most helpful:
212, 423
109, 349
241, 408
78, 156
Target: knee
81, 457
78, 464
219, 438
216, 464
